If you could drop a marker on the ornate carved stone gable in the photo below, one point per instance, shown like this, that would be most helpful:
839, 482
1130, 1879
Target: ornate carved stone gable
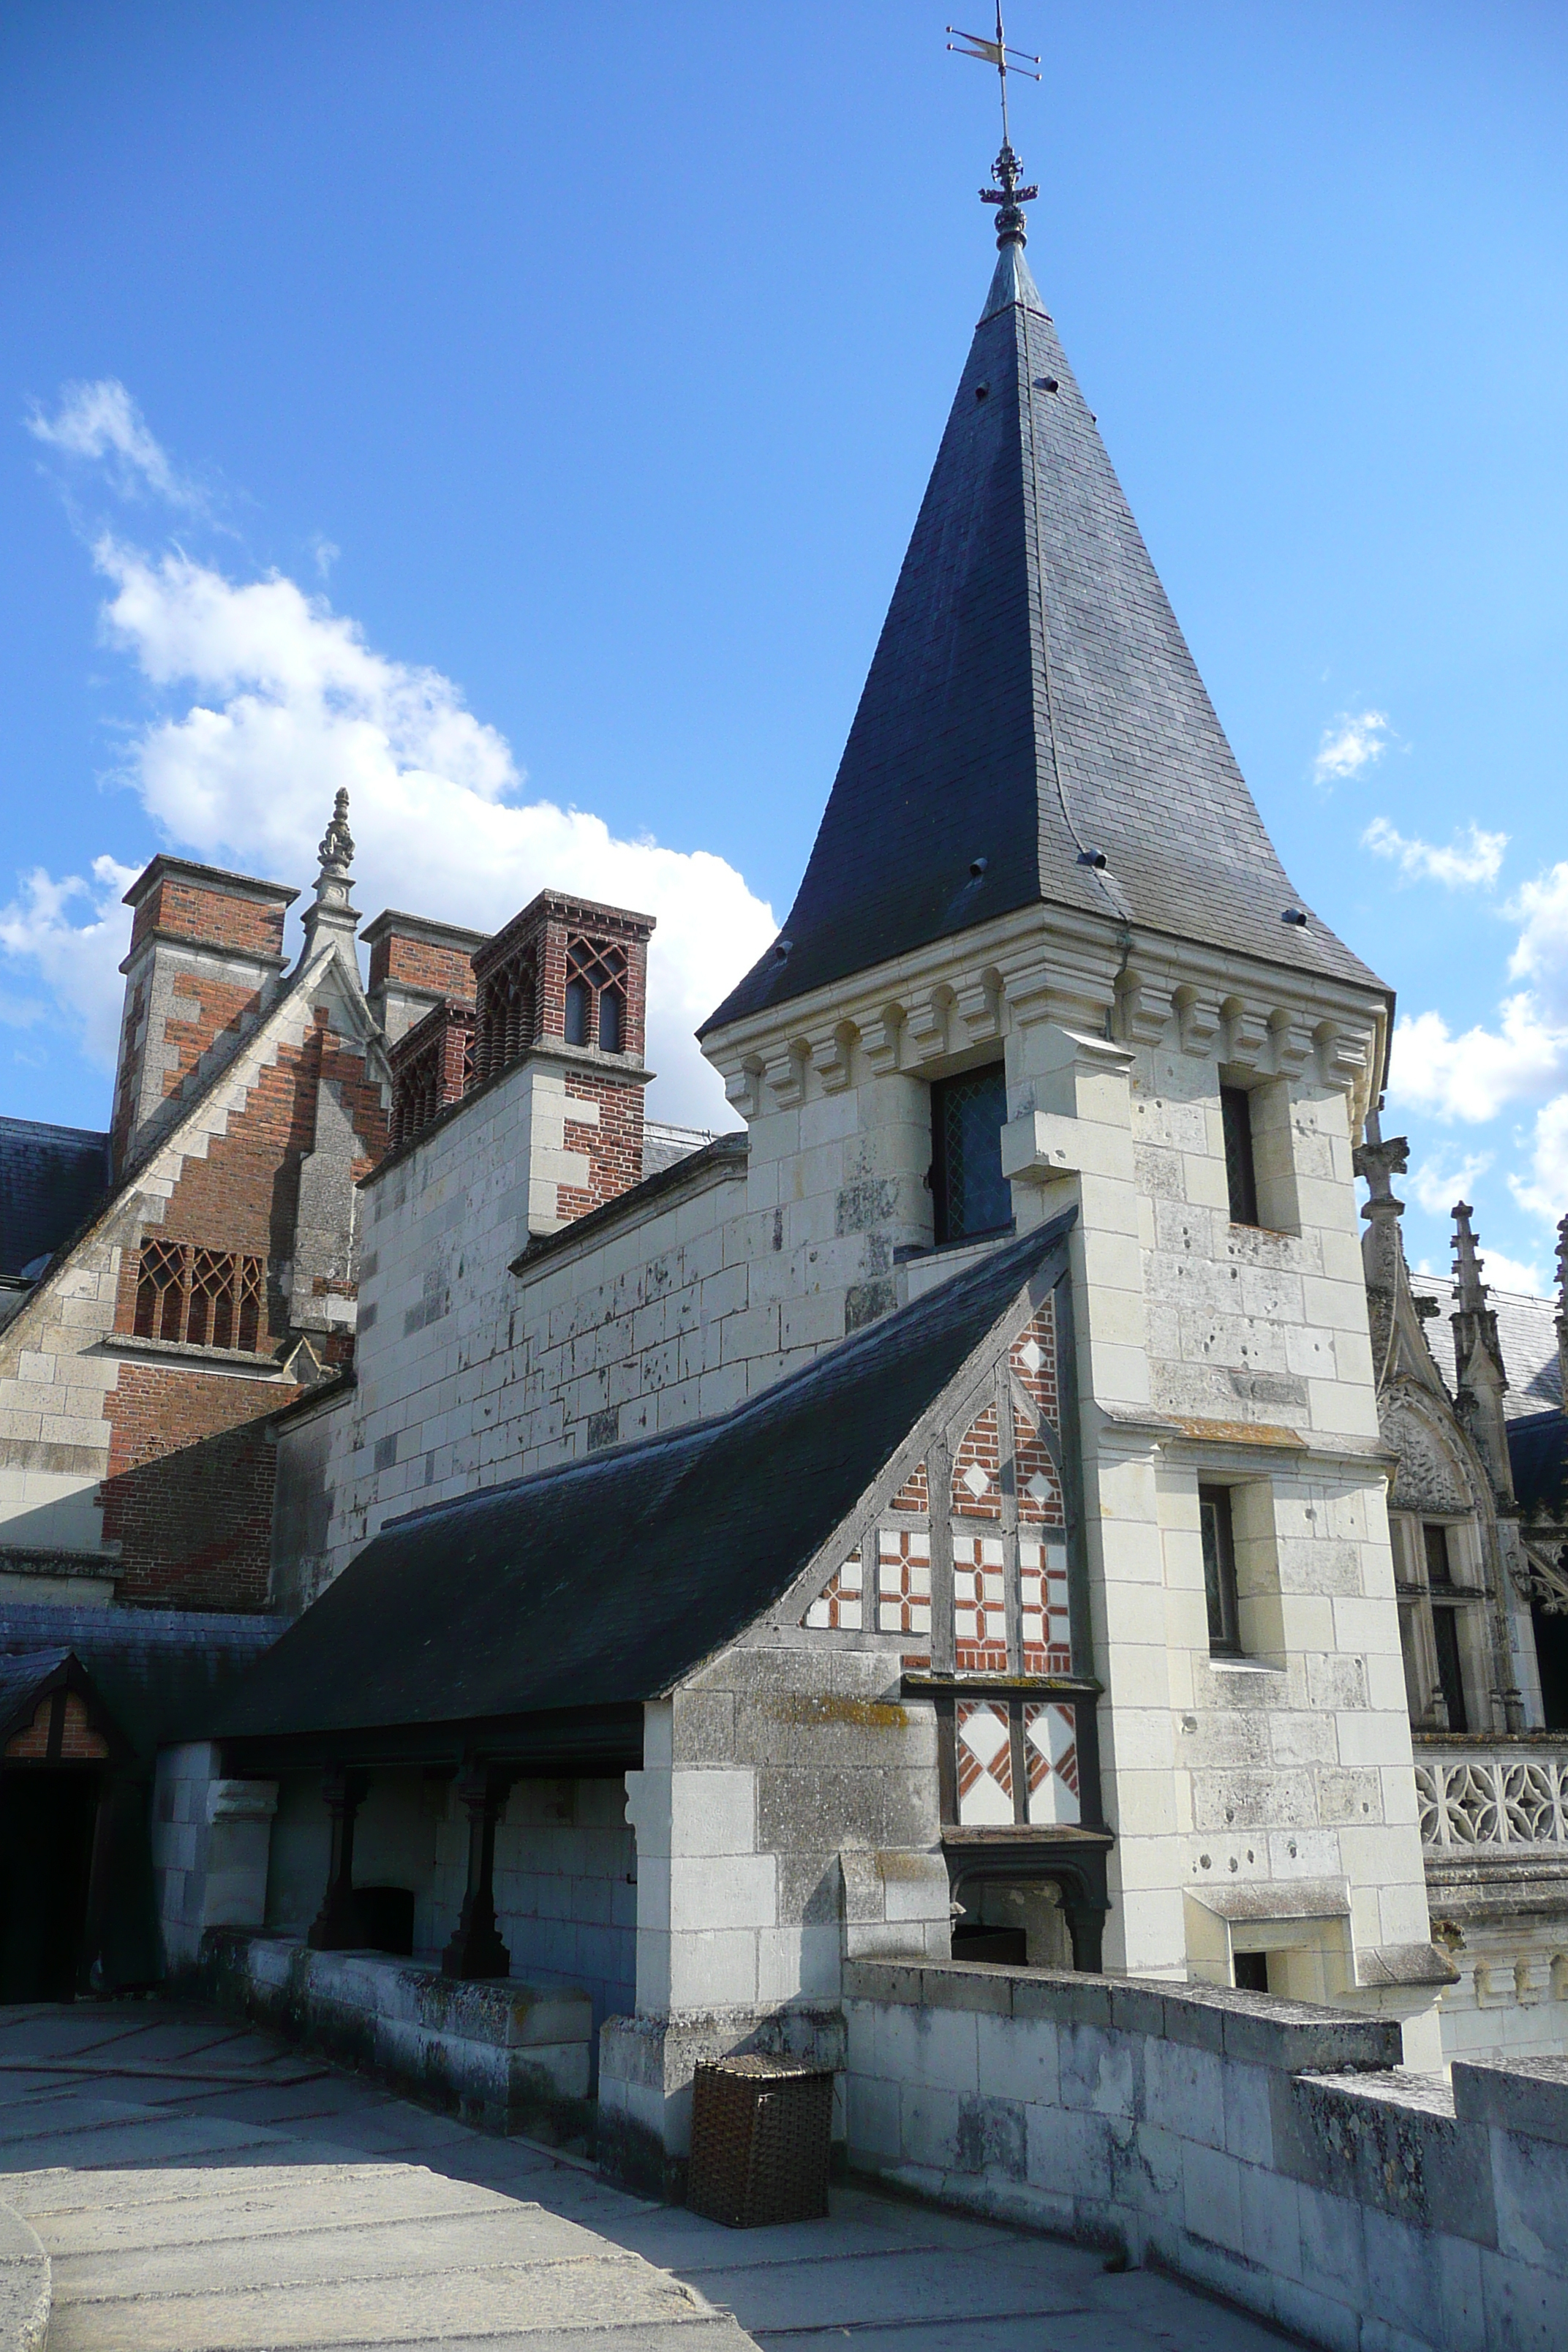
1427, 1479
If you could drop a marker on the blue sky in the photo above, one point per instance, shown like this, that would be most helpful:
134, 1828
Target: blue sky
519, 414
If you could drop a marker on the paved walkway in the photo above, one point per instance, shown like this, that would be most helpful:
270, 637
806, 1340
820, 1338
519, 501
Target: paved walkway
201, 2187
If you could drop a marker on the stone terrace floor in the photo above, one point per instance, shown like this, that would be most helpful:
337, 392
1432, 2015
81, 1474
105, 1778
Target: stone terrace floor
200, 2186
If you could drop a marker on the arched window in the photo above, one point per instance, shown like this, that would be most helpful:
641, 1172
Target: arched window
577, 1009
610, 1021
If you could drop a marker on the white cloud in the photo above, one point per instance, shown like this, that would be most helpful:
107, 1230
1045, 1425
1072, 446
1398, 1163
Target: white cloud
101, 421
1540, 909
1474, 1075
1544, 1193
77, 958
1472, 858
275, 701
1438, 1183
1356, 739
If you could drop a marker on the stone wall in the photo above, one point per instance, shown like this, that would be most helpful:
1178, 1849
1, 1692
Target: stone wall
1273, 2153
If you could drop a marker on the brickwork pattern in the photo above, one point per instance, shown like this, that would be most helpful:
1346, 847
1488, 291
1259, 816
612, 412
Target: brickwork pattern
221, 1005
432, 1066
612, 1143
244, 1194
78, 1742
188, 1495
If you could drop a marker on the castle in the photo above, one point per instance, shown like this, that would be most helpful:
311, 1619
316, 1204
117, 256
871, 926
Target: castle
993, 1503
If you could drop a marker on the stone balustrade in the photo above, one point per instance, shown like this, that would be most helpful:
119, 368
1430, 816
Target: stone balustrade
1492, 1792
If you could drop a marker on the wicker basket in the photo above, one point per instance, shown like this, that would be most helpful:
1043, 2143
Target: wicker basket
761, 2131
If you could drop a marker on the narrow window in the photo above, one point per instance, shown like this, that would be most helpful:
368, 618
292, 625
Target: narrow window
1451, 1676
967, 1115
610, 1021
577, 1003
1251, 1971
1439, 1565
1219, 1569
1241, 1175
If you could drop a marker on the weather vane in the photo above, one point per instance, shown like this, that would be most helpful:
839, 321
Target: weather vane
1008, 193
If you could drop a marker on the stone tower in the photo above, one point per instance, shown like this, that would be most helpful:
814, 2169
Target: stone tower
1045, 956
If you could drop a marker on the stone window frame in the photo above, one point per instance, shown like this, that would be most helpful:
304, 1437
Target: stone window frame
1458, 1600
1264, 1183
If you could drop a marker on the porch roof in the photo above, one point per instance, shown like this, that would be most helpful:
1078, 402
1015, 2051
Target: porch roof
604, 1583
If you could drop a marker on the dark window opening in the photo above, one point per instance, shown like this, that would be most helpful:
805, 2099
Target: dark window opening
1251, 1971
1240, 1172
610, 1021
577, 1001
1551, 1657
1450, 1674
970, 1192
1439, 1565
1219, 1569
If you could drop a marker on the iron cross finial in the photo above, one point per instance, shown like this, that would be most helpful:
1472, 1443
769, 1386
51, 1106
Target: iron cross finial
1007, 194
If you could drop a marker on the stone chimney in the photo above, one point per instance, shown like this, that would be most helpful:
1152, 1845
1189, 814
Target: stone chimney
416, 965
207, 955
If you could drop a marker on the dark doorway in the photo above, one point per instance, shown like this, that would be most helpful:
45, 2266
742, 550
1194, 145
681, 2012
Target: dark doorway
1450, 1671
46, 1821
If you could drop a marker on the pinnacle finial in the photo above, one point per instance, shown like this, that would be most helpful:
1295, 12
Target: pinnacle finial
336, 849
1467, 1265
1006, 170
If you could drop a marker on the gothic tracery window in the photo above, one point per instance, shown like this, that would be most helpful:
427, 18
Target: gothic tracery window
595, 996
199, 1297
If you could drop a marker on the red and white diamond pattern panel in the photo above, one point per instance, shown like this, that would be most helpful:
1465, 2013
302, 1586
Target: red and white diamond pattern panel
840, 1605
979, 1604
1048, 1633
985, 1764
903, 1581
1050, 1752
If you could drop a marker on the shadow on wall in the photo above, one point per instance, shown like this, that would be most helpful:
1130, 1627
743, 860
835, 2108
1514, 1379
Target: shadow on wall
195, 1526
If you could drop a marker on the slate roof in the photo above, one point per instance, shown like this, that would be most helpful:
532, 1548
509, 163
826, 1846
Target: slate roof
159, 1672
1031, 697
1526, 1333
52, 1179
605, 1582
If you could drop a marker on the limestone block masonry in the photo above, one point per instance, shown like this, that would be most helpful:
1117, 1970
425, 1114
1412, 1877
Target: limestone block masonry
1273, 2153
506, 2054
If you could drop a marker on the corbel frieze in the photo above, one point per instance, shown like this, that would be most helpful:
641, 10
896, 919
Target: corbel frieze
1199, 1019
978, 1004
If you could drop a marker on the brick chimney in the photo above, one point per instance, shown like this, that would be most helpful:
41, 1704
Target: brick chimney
416, 965
206, 953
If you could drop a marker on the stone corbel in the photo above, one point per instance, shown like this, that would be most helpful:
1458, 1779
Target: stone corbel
785, 1076
880, 1040
1341, 1056
743, 1089
1290, 1046
1143, 1009
1198, 1021
830, 1059
926, 1022
1246, 1033
979, 1006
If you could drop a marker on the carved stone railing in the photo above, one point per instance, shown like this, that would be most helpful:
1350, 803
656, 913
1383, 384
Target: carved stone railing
1492, 1792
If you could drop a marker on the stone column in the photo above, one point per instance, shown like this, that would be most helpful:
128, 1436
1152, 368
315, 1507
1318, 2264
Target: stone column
337, 1926
476, 1948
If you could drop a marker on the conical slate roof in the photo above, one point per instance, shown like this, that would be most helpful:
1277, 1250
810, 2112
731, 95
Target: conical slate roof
1031, 702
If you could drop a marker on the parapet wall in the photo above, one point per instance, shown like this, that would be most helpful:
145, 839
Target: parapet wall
1271, 2151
